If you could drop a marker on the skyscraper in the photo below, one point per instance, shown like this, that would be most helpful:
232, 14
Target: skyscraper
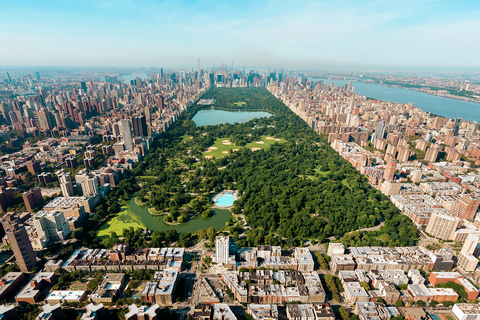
8, 76
222, 245
389, 172
140, 126
18, 239
126, 132
456, 127
379, 131
89, 186
37, 76
67, 189
160, 104
472, 129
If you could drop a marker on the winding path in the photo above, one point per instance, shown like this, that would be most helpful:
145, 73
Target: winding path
368, 229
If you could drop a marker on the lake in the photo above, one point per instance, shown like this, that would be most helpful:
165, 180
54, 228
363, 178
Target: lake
128, 77
447, 107
215, 116
133, 215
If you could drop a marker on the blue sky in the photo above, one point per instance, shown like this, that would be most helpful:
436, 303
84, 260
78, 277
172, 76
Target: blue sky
301, 34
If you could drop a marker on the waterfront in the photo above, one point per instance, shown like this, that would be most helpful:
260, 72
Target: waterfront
129, 77
215, 116
133, 215
447, 107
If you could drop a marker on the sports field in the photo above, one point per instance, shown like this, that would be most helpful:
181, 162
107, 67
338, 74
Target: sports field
78, 287
223, 146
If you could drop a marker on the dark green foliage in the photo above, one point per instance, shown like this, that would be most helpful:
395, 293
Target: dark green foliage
92, 284
459, 289
281, 195
331, 283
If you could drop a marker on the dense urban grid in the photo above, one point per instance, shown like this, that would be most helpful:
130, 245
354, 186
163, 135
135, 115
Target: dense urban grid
346, 207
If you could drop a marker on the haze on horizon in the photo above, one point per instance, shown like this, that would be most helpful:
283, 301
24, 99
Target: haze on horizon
343, 34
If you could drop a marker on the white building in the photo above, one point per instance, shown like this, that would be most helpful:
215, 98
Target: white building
464, 311
89, 186
222, 245
51, 225
126, 132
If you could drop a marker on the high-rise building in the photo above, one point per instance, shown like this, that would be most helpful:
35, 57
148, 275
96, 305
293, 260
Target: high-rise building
140, 126
467, 206
33, 167
71, 162
17, 237
6, 199
45, 119
37, 76
442, 226
67, 189
89, 186
126, 132
51, 226
222, 247
390, 168
470, 246
432, 154
33, 198
472, 129
379, 131
456, 127
64, 177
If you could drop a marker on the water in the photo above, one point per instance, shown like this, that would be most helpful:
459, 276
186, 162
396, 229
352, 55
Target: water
128, 77
447, 107
214, 116
225, 200
133, 215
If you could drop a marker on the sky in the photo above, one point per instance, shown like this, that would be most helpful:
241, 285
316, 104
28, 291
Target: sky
339, 34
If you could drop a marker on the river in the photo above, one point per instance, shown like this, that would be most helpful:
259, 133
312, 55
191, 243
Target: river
447, 107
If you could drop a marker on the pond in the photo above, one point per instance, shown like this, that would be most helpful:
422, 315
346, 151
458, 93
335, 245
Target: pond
133, 215
215, 116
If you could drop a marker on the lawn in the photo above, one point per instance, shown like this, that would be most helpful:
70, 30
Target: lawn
124, 219
240, 103
218, 153
449, 317
78, 287
186, 138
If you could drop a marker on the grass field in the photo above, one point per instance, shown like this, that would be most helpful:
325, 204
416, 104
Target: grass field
240, 103
124, 219
78, 287
218, 153
137, 288
186, 138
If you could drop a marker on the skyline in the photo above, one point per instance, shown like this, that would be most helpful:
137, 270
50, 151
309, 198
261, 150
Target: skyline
370, 35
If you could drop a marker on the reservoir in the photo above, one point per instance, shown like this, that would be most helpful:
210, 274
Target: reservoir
128, 77
447, 107
214, 116
133, 215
